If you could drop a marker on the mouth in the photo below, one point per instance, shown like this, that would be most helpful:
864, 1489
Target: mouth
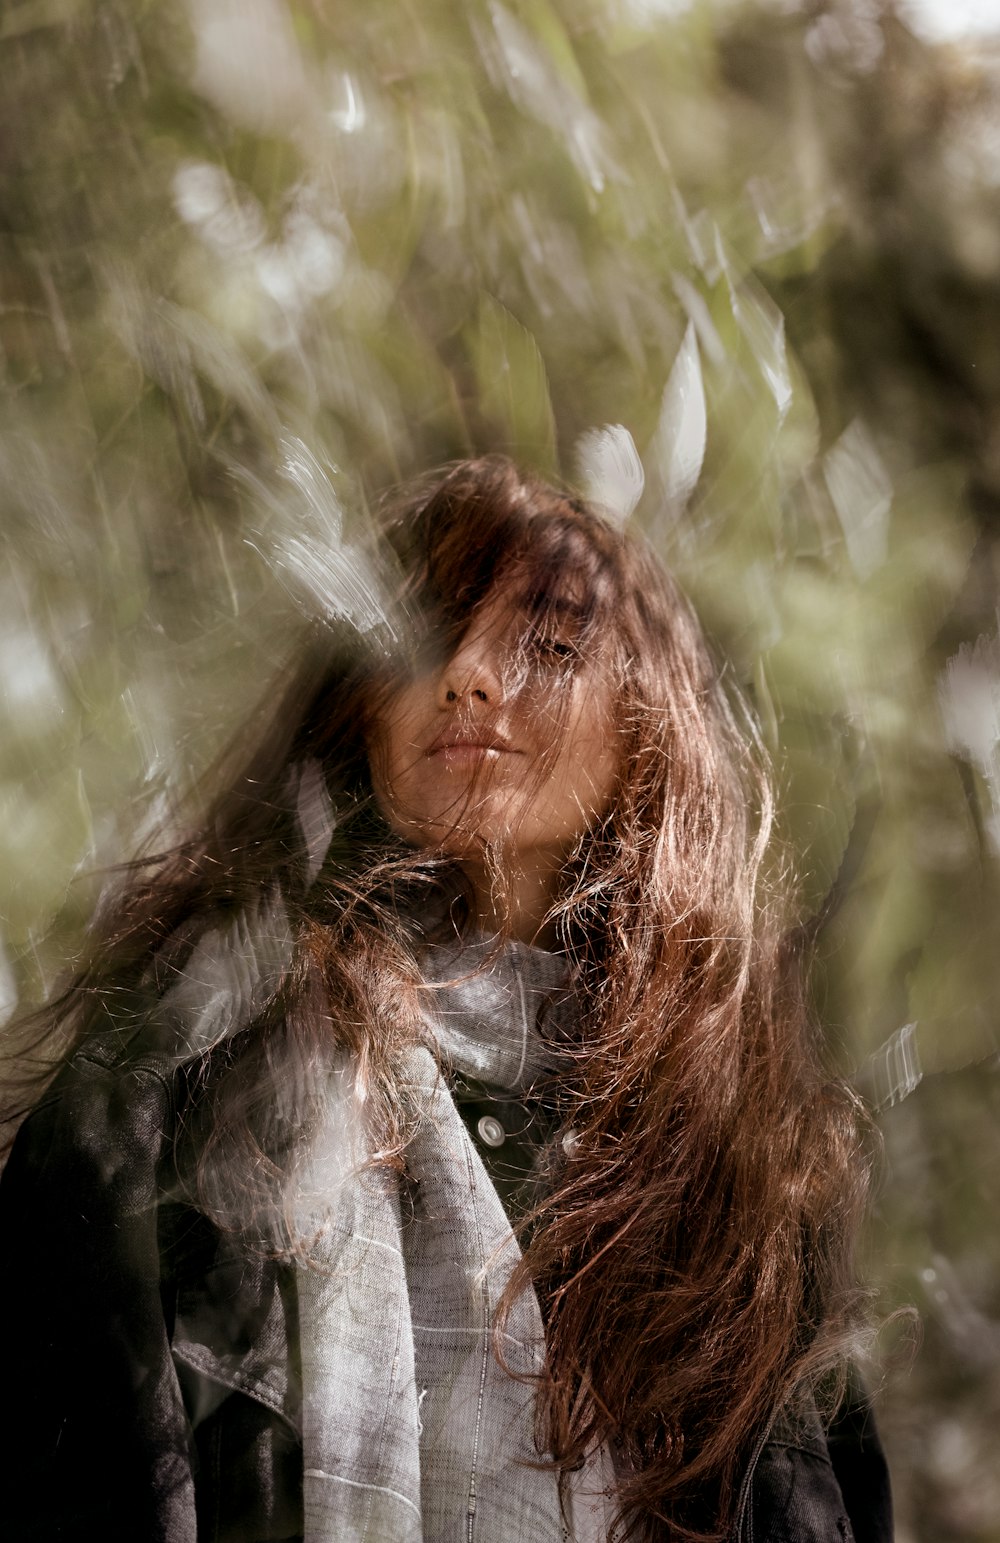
462, 748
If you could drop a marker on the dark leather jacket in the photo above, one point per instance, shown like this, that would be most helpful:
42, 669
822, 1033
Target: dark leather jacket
152, 1378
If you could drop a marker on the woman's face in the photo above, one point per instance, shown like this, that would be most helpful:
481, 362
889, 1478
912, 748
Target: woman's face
510, 742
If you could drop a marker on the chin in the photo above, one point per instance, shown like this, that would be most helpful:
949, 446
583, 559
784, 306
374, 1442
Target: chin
468, 844
460, 833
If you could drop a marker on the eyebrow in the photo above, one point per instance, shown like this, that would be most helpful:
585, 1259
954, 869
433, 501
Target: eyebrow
560, 606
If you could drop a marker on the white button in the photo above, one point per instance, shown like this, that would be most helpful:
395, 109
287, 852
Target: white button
491, 1132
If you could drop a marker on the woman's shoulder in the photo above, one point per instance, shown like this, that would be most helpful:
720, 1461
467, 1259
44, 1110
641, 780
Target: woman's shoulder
112, 1107
816, 1482
109, 1107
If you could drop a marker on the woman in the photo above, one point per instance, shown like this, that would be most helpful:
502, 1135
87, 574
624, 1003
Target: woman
474, 941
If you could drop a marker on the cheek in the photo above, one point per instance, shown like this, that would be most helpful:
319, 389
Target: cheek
391, 743
585, 770
596, 769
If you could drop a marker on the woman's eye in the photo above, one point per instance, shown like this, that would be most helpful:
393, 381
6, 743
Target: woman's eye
553, 647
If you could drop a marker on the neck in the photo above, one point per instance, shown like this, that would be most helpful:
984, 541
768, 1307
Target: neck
521, 905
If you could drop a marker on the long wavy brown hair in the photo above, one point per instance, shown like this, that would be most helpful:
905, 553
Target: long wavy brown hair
693, 1255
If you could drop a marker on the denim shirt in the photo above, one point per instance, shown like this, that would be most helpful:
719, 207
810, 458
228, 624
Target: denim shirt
803, 1483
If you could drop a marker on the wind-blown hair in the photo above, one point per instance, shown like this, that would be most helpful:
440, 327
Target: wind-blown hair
693, 1256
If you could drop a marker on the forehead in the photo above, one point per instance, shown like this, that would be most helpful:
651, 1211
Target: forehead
468, 550
523, 592
518, 596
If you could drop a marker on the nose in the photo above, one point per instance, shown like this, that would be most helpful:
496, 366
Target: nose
472, 674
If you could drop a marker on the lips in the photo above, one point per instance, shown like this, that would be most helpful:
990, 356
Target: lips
459, 743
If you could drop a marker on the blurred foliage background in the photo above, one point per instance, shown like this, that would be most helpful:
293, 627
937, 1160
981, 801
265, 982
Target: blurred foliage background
260, 257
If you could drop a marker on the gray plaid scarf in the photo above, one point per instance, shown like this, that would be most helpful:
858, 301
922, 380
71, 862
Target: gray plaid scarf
413, 1432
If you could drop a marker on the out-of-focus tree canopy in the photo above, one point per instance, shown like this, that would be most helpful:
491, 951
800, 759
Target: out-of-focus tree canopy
260, 257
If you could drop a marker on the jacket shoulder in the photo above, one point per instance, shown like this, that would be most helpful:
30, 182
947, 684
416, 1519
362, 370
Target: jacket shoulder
100, 1126
795, 1498
818, 1484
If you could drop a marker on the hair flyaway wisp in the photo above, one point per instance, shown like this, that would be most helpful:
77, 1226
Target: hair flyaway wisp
328, 576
